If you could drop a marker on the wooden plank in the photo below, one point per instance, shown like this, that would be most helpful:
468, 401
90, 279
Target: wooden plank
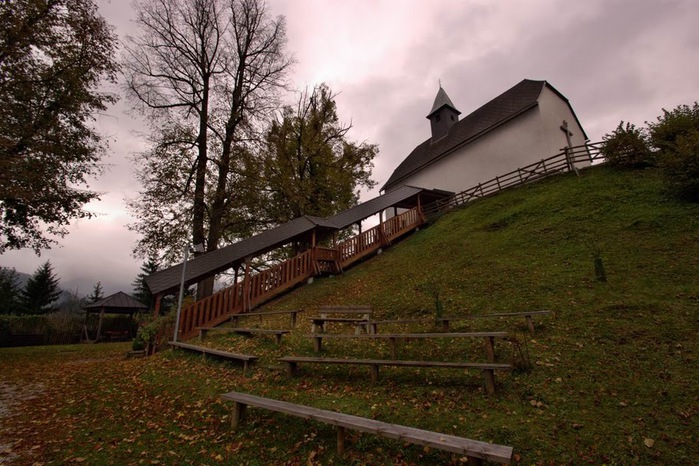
446, 442
487, 369
379, 336
395, 362
245, 358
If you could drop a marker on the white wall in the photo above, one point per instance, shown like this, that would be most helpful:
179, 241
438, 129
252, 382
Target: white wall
553, 111
515, 144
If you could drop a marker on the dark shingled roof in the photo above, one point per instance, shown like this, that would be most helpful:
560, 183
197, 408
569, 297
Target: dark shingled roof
440, 101
214, 262
217, 261
372, 206
118, 303
501, 109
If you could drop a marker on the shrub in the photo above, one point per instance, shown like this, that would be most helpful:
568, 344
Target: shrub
149, 335
673, 125
676, 135
681, 167
627, 146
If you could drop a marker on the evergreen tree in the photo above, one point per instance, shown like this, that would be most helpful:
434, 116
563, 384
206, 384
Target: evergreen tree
41, 291
97, 293
141, 292
9, 291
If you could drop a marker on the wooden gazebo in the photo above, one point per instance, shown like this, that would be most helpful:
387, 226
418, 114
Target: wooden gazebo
118, 303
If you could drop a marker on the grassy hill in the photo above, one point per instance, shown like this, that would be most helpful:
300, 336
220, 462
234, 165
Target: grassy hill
614, 376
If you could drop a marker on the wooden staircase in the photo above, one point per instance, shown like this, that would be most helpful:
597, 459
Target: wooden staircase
317, 261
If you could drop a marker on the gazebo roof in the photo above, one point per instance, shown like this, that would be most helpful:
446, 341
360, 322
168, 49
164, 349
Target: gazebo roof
118, 303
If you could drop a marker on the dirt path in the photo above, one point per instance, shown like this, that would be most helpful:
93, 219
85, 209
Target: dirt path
12, 396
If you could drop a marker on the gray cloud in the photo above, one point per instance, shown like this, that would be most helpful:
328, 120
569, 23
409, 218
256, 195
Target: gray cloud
614, 60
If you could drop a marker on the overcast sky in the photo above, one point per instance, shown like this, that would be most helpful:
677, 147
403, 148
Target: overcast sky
614, 60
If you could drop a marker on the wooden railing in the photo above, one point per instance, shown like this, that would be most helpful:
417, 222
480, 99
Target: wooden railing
263, 286
211, 311
401, 224
280, 278
569, 159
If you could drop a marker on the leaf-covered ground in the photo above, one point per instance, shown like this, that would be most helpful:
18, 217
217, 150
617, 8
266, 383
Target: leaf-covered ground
614, 376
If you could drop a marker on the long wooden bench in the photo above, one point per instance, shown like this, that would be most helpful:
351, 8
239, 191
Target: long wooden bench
372, 325
364, 312
488, 369
246, 359
244, 331
488, 339
475, 451
235, 318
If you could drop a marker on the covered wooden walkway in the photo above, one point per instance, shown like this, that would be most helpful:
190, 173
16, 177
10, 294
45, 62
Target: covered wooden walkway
333, 257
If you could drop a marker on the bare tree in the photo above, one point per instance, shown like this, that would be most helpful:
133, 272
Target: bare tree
204, 71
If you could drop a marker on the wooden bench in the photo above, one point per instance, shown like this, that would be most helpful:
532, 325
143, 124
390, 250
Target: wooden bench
372, 325
244, 331
474, 450
245, 358
362, 310
488, 369
488, 338
293, 313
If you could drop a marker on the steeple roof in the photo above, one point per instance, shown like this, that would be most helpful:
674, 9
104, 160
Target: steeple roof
440, 101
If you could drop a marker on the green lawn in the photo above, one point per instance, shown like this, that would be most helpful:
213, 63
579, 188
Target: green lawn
614, 370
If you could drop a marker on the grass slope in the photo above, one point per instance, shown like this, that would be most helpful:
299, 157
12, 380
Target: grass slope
617, 365
614, 377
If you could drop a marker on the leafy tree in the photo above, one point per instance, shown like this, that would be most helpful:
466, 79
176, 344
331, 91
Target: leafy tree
204, 71
9, 291
627, 146
676, 135
97, 293
41, 291
53, 56
309, 165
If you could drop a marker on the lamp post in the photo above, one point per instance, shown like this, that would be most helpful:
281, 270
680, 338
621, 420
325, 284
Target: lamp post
197, 248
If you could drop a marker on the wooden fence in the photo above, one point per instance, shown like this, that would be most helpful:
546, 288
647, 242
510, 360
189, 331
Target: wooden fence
569, 159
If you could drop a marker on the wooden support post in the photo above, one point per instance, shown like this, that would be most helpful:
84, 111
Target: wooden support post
489, 349
374, 368
489, 376
473, 461
317, 344
158, 300
246, 365
530, 323
392, 341
445, 325
291, 369
340, 440
99, 326
246, 286
202, 334
237, 414
278, 338
293, 319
